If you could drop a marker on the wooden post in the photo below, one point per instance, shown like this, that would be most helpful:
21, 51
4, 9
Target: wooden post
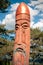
22, 40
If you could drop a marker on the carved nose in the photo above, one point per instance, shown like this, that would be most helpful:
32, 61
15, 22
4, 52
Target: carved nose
20, 36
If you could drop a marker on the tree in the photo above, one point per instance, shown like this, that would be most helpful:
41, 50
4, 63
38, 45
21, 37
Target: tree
4, 4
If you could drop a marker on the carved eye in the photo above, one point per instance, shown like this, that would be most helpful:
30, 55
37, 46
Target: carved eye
25, 26
16, 26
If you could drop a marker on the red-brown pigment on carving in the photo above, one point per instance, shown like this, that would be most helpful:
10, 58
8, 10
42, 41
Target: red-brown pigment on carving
22, 40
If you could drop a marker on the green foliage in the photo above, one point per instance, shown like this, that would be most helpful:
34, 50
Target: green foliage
36, 37
4, 4
35, 33
4, 31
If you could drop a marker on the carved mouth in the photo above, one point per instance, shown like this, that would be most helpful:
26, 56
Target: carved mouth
20, 50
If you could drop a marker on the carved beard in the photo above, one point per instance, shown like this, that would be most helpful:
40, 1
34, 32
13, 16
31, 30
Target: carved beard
19, 56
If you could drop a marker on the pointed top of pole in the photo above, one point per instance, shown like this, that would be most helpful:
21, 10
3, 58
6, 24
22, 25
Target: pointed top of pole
22, 8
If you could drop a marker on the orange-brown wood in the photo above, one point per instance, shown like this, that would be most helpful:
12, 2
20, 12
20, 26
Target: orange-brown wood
22, 40
23, 8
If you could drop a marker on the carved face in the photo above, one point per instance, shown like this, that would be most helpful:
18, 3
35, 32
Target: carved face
22, 32
22, 39
21, 42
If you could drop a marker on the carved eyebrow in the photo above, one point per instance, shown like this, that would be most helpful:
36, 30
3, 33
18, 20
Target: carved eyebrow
21, 24
24, 23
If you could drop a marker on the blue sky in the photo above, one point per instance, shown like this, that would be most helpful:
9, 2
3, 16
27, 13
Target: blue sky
19, 1
36, 14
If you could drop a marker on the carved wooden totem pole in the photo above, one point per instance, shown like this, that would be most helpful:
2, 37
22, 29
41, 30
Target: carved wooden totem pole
22, 40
